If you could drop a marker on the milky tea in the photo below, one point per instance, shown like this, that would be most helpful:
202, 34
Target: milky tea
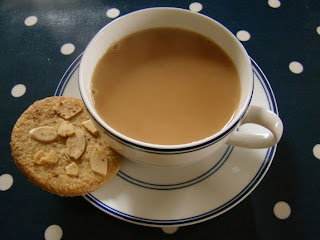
166, 86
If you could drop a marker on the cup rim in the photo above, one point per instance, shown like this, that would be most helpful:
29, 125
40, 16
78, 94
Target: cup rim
212, 138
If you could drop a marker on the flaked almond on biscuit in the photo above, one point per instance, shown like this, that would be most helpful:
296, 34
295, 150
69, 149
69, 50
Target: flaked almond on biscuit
42, 158
67, 109
65, 154
58, 122
88, 151
51, 158
37, 157
76, 144
72, 169
66, 129
89, 126
44, 134
99, 161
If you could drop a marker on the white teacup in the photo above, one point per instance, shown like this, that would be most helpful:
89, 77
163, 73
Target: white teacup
173, 155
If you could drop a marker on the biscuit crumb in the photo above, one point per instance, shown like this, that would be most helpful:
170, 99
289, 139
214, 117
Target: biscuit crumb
99, 161
44, 134
76, 144
72, 169
67, 109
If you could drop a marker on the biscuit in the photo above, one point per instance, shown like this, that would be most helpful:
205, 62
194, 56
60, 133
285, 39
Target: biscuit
35, 153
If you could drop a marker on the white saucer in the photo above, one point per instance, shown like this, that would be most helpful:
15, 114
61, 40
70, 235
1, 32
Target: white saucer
179, 196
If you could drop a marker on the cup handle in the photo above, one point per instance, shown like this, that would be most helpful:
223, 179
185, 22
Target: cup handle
265, 118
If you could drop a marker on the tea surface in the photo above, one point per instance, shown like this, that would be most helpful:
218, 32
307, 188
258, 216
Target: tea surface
166, 86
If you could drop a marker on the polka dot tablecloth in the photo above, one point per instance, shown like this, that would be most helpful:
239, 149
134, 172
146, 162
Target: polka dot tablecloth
39, 41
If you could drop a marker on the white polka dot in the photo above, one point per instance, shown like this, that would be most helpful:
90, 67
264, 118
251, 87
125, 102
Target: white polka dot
67, 49
53, 232
296, 67
113, 13
18, 90
30, 21
318, 30
169, 230
316, 151
195, 7
274, 3
6, 182
243, 35
282, 210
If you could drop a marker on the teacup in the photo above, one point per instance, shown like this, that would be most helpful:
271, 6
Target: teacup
175, 155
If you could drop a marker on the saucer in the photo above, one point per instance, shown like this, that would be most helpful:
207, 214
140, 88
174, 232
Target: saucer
184, 195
